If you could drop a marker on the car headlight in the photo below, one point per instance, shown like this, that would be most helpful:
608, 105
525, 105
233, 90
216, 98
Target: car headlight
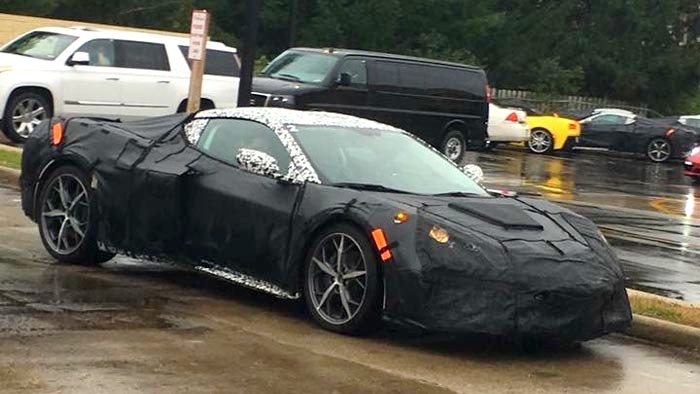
695, 151
281, 101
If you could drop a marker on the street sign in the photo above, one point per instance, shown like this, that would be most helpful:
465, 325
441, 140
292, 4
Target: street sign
198, 34
199, 30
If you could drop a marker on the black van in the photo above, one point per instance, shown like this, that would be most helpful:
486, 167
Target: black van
445, 104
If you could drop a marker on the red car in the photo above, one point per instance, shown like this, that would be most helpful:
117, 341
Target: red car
692, 164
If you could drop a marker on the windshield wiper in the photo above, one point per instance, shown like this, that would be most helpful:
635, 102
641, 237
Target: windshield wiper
286, 77
457, 194
368, 186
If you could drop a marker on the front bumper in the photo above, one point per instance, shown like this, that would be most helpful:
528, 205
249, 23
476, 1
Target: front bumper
524, 289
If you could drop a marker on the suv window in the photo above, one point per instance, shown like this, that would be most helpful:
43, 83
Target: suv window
223, 138
141, 55
220, 63
40, 45
101, 52
357, 68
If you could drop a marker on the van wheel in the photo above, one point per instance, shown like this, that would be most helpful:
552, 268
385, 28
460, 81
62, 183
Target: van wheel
67, 218
23, 113
453, 145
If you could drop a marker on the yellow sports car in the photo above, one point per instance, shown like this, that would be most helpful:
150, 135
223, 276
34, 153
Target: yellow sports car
548, 133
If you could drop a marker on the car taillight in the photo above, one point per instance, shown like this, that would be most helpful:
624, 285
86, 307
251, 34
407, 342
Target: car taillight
513, 117
56, 133
488, 93
670, 132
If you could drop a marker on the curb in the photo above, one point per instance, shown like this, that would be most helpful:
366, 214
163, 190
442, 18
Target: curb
661, 331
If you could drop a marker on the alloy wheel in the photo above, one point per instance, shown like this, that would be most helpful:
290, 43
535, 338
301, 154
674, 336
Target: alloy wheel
26, 115
453, 148
65, 214
659, 150
337, 278
540, 141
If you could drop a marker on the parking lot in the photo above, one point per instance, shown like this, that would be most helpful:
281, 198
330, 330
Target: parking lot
133, 326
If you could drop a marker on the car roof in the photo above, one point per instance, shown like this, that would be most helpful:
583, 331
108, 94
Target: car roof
354, 52
613, 111
82, 31
274, 117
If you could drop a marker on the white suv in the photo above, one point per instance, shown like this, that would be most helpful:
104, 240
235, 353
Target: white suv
106, 73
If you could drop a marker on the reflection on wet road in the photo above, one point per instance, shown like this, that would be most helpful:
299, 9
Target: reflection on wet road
132, 326
649, 212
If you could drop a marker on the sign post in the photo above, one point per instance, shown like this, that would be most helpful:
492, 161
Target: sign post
199, 31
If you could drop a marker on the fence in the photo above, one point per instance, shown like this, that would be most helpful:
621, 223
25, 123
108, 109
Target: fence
565, 103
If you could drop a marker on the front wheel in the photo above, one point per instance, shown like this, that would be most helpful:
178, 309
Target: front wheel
67, 218
658, 150
23, 113
541, 141
342, 284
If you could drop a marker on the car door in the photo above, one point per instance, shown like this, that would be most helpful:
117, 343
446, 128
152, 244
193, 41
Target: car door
234, 218
148, 86
602, 131
352, 98
94, 89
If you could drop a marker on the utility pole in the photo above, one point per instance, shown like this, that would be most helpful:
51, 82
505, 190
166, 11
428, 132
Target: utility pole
248, 53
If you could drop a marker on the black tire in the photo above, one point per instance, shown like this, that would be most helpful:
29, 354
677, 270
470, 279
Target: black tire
367, 316
659, 150
454, 145
541, 141
17, 106
75, 210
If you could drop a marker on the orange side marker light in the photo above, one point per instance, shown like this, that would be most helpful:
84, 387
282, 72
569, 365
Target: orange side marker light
381, 244
56, 133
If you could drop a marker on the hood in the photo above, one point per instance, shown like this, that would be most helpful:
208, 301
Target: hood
22, 62
278, 86
504, 219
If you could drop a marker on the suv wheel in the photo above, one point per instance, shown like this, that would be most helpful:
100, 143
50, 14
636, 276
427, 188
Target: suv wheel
23, 113
454, 145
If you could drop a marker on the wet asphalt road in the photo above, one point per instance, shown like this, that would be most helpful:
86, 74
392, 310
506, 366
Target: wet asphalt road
134, 327
650, 213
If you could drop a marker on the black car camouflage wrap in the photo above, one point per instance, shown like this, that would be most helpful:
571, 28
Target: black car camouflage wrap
511, 266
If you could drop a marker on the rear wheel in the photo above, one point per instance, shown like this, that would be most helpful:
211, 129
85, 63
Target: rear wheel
342, 284
67, 220
454, 145
23, 113
541, 141
659, 150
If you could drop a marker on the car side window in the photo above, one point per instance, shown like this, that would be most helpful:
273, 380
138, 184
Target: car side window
141, 55
609, 120
224, 138
357, 69
101, 52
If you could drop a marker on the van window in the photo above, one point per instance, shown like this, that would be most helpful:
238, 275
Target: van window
386, 76
101, 52
220, 63
437, 81
141, 55
357, 68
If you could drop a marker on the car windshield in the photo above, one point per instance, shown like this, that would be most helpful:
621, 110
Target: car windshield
297, 66
382, 160
40, 45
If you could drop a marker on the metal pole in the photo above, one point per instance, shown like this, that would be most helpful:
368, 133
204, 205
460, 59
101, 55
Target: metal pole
248, 54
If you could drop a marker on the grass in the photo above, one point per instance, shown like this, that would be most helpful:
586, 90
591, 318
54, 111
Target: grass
10, 159
665, 311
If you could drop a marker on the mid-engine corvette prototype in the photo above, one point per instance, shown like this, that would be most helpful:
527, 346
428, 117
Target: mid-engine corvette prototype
360, 219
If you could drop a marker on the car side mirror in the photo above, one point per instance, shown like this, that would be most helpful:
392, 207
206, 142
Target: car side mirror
258, 162
474, 172
344, 79
79, 59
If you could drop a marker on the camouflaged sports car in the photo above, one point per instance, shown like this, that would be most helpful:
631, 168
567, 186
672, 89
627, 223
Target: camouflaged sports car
360, 219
